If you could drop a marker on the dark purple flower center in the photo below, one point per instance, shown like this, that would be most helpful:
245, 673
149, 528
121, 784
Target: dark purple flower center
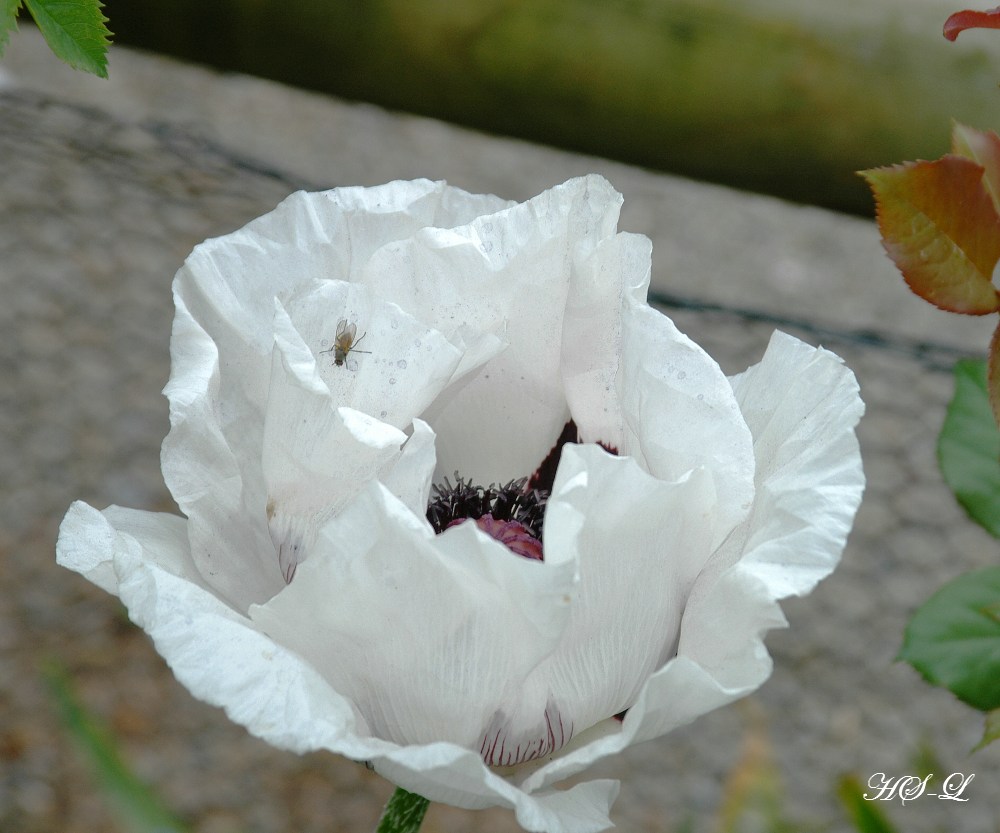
513, 514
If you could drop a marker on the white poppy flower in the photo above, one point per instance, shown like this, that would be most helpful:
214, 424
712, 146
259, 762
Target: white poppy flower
330, 590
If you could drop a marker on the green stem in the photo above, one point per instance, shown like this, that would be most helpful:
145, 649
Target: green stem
403, 814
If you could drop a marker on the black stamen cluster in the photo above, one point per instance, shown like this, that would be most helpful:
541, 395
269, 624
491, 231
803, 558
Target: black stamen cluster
511, 502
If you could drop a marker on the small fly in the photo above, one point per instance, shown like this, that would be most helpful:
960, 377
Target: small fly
344, 342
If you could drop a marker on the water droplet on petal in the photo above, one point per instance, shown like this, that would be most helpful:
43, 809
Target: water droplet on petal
401, 363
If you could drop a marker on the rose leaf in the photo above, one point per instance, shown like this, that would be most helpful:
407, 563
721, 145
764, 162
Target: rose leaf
941, 230
993, 376
969, 447
953, 639
75, 31
991, 730
8, 20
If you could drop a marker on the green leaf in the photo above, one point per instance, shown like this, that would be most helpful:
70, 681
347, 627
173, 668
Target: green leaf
138, 807
865, 814
404, 813
953, 640
75, 31
8, 21
991, 730
969, 447
993, 375
940, 228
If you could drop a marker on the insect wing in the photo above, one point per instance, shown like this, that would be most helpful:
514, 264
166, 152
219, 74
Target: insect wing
346, 331
343, 341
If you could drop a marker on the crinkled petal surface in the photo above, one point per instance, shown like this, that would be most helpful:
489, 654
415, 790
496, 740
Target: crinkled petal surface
305, 591
801, 405
277, 693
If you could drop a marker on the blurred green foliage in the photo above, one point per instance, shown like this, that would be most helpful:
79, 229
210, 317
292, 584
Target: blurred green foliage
138, 808
778, 96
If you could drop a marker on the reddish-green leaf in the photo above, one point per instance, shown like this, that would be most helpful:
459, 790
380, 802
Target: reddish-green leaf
939, 226
983, 148
960, 21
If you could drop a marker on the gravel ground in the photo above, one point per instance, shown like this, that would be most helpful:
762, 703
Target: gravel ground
99, 210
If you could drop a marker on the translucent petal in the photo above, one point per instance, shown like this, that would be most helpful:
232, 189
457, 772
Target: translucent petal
406, 364
618, 269
215, 474
409, 477
680, 413
218, 655
641, 546
88, 540
507, 274
479, 328
802, 406
230, 282
428, 635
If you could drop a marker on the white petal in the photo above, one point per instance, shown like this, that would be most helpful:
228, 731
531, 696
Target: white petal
86, 544
221, 659
406, 364
428, 635
218, 655
641, 546
618, 269
225, 295
349, 450
316, 456
211, 464
226, 289
442, 772
229, 282
410, 476
680, 413
89, 539
802, 406
507, 274
316, 451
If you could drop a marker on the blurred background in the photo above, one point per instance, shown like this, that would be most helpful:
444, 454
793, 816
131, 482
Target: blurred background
105, 186
785, 97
